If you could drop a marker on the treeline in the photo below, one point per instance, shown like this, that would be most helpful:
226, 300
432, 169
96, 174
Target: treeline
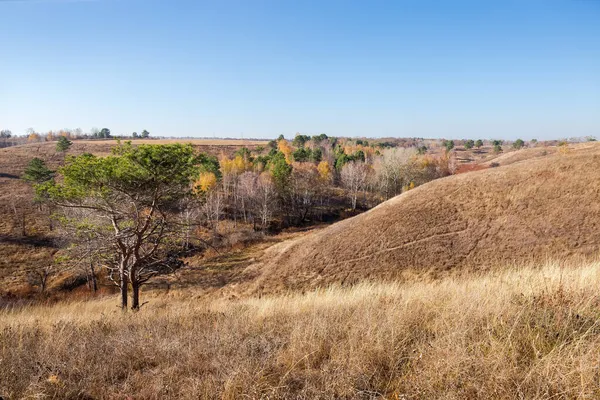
8, 138
311, 179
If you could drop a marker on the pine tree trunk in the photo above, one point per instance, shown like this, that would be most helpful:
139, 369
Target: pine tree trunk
124, 289
93, 278
135, 296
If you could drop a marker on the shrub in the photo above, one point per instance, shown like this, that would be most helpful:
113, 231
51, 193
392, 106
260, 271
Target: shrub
518, 144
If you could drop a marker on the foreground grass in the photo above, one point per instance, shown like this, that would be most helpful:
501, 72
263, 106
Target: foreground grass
523, 333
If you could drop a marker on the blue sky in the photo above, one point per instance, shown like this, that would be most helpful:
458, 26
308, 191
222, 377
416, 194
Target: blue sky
453, 69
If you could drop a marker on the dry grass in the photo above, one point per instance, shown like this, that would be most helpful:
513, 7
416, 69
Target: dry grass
522, 333
543, 206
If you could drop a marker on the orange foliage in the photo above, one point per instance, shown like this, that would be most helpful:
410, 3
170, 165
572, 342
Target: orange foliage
285, 148
324, 171
33, 137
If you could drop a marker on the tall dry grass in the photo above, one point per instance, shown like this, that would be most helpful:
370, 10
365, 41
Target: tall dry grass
530, 332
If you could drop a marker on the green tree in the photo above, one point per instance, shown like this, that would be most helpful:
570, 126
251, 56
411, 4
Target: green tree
104, 133
5, 134
245, 153
145, 134
358, 155
469, 144
518, 144
302, 154
63, 144
497, 148
134, 135
280, 172
421, 150
37, 172
448, 144
479, 143
316, 155
300, 140
128, 203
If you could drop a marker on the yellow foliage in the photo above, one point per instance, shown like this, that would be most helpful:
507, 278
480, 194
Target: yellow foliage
206, 181
285, 148
33, 137
324, 171
235, 166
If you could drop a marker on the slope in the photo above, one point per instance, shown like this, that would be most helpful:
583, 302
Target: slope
543, 207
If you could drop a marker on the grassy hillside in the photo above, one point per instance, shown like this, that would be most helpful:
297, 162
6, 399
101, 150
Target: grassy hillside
545, 206
528, 332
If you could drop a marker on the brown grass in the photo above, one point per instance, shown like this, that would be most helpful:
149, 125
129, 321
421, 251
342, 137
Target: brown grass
529, 332
195, 142
546, 206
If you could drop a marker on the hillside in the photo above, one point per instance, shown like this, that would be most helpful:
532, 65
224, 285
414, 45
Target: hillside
25, 228
545, 206
526, 333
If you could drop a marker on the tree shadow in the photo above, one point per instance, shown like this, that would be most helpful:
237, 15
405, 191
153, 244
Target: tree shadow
36, 241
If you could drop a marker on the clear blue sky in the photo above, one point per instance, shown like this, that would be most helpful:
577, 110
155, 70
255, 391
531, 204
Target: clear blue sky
453, 69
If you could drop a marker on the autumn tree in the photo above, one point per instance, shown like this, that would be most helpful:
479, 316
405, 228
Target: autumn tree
130, 200
285, 148
33, 137
354, 178
303, 192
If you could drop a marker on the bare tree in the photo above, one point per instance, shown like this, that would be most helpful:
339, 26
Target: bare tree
40, 276
212, 209
354, 178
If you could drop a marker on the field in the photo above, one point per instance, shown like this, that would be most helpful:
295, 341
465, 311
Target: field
195, 142
482, 284
523, 332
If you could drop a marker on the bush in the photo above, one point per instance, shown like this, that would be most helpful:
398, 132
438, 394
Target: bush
63, 144
518, 144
